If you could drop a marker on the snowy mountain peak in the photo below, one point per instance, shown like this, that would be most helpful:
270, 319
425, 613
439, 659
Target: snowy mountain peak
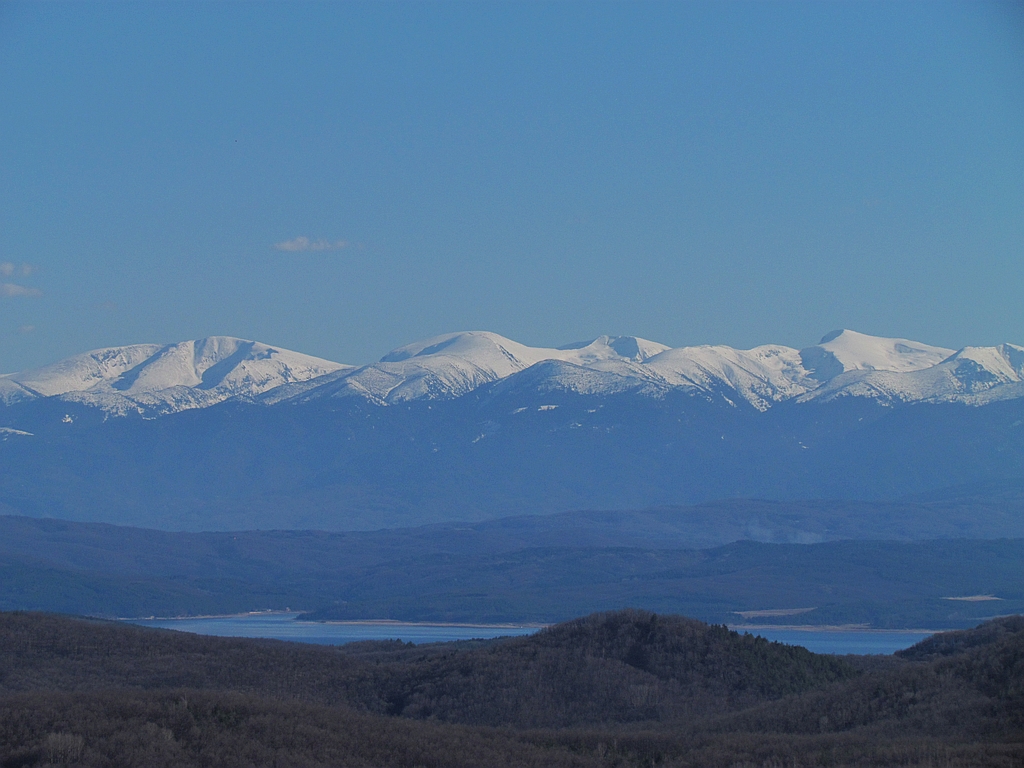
845, 350
150, 377
761, 376
1005, 361
482, 348
630, 348
454, 364
976, 370
973, 375
495, 353
81, 372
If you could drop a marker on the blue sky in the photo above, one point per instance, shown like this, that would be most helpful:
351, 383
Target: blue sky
341, 179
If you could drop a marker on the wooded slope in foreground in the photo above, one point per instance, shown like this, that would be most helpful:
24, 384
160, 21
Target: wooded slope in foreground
623, 688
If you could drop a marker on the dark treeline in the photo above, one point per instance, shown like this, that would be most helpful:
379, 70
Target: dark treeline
623, 688
203, 728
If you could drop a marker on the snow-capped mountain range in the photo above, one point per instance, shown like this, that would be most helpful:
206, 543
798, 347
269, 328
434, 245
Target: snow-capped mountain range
473, 425
152, 380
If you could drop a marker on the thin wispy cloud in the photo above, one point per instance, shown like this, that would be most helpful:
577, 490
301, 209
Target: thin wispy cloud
9, 269
12, 290
306, 244
25, 330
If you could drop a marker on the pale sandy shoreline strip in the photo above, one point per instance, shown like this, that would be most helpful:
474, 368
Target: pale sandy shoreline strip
243, 615
352, 622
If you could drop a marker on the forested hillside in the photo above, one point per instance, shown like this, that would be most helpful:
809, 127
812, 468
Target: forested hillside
625, 688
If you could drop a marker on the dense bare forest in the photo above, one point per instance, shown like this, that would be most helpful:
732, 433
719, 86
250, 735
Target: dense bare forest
623, 688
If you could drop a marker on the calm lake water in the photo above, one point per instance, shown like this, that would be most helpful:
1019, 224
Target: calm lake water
843, 641
283, 626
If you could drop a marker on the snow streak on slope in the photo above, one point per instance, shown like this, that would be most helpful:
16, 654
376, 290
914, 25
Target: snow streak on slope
761, 376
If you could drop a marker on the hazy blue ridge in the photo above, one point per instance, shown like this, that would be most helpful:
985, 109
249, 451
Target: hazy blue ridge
434, 574
343, 464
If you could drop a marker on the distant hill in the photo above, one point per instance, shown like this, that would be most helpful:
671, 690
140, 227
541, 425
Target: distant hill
966, 683
681, 666
522, 569
350, 465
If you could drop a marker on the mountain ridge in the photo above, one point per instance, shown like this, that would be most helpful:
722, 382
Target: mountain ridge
154, 380
226, 433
